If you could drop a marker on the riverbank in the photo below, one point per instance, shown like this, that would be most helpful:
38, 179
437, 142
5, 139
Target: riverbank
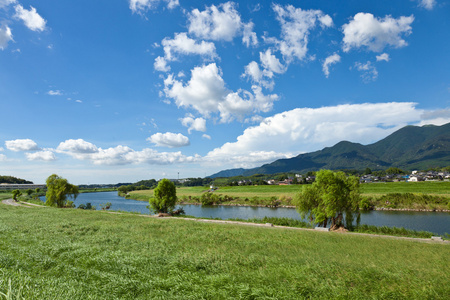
101, 255
421, 196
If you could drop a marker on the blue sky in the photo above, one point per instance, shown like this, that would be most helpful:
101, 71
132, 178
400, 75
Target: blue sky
124, 90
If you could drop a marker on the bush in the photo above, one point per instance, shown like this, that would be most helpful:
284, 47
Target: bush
366, 204
207, 198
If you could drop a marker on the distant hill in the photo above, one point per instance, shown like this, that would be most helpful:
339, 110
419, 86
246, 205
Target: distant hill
13, 180
409, 148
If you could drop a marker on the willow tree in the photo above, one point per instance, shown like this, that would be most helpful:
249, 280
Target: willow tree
58, 190
165, 197
332, 197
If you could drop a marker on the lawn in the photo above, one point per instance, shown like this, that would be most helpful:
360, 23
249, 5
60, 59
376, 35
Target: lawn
49, 253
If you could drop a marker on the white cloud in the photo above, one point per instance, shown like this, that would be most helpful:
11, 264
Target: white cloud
3, 157
78, 101
182, 44
206, 93
169, 139
205, 136
307, 129
161, 64
78, 146
1, 149
427, 4
140, 6
54, 93
262, 77
220, 23
21, 145
296, 25
197, 124
248, 36
5, 36
364, 30
4, 3
383, 57
45, 155
30, 17
368, 71
271, 62
330, 60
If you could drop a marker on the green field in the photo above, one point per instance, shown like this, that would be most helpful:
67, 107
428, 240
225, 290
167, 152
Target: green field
49, 253
261, 195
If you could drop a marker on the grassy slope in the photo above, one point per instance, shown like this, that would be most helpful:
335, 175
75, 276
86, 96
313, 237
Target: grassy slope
52, 253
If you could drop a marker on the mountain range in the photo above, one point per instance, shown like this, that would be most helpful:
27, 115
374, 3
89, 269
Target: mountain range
409, 148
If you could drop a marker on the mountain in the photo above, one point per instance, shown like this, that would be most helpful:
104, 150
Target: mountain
409, 148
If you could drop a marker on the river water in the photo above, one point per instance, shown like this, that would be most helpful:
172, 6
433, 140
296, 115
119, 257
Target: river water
436, 222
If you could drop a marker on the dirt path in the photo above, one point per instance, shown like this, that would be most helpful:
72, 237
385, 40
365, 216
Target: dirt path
23, 204
440, 241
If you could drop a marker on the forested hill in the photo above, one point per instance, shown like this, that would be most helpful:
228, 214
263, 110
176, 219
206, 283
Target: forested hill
10, 179
409, 148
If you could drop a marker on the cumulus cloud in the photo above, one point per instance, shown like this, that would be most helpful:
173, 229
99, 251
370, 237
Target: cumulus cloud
4, 3
296, 26
161, 64
220, 23
21, 145
262, 77
169, 139
368, 71
206, 93
383, 57
436, 117
120, 155
5, 36
141, 6
182, 44
249, 37
309, 129
375, 34
427, 4
30, 17
271, 63
45, 155
197, 124
54, 93
78, 146
330, 60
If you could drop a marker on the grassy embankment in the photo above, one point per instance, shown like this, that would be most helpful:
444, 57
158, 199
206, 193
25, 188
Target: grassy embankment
414, 195
49, 253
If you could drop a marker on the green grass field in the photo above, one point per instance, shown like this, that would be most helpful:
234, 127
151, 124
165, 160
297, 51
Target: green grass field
261, 195
48, 253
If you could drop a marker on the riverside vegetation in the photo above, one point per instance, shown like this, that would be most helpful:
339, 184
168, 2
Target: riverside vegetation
392, 195
50, 253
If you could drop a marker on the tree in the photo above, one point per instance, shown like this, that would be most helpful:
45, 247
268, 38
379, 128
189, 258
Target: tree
329, 198
165, 197
16, 193
58, 189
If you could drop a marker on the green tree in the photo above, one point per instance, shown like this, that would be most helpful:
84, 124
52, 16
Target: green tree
58, 189
16, 193
329, 198
165, 197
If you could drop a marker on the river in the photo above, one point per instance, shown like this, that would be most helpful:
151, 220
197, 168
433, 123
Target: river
436, 222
